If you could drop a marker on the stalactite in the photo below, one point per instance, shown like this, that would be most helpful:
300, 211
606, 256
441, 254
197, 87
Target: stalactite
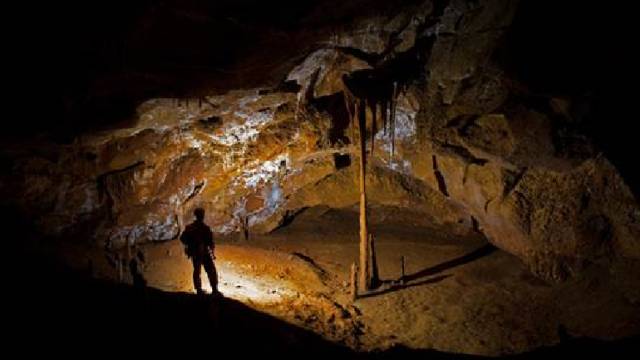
353, 125
374, 125
348, 103
384, 114
392, 117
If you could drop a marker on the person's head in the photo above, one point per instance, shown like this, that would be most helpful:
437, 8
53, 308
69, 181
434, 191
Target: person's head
199, 213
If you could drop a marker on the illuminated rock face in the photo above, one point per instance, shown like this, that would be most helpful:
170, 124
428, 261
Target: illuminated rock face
468, 150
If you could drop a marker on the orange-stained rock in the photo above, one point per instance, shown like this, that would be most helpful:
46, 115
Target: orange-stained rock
470, 149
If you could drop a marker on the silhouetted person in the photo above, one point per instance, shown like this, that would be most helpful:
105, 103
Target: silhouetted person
198, 245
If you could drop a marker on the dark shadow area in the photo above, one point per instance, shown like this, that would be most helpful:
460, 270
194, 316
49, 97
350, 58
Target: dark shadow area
335, 106
573, 349
442, 185
581, 52
391, 286
486, 250
68, 313
388, 286
100, 60
64, 311
341, 161
51, 309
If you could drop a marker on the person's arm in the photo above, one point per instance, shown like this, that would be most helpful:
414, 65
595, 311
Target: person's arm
185, 238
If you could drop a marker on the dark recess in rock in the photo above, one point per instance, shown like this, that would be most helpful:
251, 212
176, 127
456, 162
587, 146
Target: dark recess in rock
442, 185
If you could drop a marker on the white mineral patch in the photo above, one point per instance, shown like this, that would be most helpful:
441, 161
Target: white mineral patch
402, 166
273, 198
405, 126
405, 131
304, 71
266, 171
244, 127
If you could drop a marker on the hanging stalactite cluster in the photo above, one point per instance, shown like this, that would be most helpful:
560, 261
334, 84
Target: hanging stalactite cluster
371, 103
375, 107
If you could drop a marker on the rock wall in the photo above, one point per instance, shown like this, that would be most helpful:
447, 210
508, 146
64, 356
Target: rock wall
472, 148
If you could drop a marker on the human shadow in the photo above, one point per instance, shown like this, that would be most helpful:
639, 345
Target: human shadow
485, 250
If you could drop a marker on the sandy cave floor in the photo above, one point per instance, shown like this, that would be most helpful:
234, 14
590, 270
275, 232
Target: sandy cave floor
462, 296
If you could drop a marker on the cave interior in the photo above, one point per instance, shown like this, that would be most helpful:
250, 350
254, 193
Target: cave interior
442, 178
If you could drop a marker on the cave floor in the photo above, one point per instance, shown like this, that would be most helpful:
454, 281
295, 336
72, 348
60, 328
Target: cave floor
461, 294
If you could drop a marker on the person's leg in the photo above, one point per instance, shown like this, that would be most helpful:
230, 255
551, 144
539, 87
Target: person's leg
197, 283
212, 274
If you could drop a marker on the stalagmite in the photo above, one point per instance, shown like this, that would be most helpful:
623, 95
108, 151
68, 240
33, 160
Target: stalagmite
245, 227
375, 279
353, 283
